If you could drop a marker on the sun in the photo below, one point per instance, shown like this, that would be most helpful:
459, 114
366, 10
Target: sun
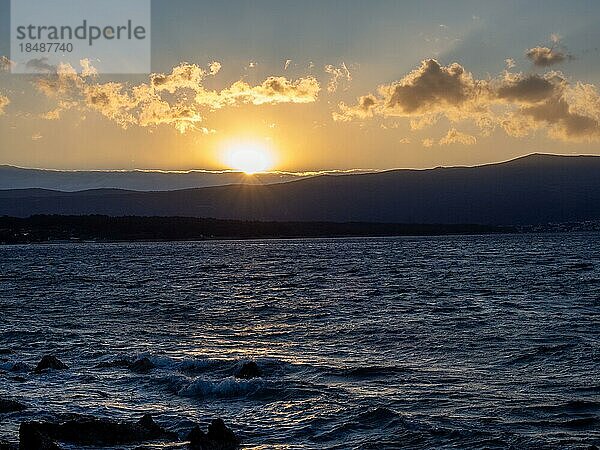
249, 158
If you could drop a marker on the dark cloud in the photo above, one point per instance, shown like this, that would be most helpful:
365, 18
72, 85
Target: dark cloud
430, 86
518, 103
545, 57
364, 108
528, 89
40, 65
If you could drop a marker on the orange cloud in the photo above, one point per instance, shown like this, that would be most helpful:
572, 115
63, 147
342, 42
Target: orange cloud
338, 75
6, 64
545, 57
515, 102
456, 137
4, 102
166, 98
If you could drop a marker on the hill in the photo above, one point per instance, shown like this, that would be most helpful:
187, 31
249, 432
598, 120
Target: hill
135, 180
530, 190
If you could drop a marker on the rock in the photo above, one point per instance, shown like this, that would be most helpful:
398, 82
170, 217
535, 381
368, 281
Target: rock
142, 365
248, 371
148, 423
50, 362
118, 364
8, 406
6, 351
20, 367
30, 438
219, 437
96, 432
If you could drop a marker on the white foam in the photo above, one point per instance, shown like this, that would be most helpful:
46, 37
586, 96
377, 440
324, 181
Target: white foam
226, 388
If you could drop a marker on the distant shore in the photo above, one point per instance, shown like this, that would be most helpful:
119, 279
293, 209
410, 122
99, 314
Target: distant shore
48, 229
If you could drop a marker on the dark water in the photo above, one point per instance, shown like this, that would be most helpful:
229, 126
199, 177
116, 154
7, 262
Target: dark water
452, 342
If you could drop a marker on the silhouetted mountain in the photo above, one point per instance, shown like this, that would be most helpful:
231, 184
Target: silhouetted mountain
529, 190
135, 180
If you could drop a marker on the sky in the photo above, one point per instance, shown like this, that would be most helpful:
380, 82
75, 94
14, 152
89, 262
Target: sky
321, 85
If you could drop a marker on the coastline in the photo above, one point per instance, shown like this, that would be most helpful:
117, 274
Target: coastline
63, 229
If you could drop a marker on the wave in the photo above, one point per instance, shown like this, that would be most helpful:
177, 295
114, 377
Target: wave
183, 365
17, 366
366, 426
573, 406
574, 423
541, 352
363, 372
229, 388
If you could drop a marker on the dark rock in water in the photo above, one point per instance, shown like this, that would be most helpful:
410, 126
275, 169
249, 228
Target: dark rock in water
148, 423
119, 364
248, 371
50, 362
30, 438
92, 431
6, 446
8, 406
219, 437
19, 367
6, 351
142, 365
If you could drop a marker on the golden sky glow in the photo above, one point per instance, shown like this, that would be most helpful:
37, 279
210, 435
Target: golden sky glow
415, 86
248, 156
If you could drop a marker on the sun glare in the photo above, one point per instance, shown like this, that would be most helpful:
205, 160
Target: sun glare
249, 158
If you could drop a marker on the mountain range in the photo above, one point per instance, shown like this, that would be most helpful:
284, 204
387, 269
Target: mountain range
136, 180
535, 189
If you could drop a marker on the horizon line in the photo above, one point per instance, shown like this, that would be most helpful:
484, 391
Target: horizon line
306, 173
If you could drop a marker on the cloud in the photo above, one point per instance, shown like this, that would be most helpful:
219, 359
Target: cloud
365, 108
87, 70
178, 98
430, 88
573, 114
184, 76
6, 64
338, 74
426, 94
4, 102
456, 137
545, 57
515, 102
40, 65
214, 67
272, 91
527, 89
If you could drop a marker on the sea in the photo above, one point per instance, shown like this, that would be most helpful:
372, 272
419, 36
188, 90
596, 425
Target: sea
454, 342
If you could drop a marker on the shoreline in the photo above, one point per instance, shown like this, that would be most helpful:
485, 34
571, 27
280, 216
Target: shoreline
106, 229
